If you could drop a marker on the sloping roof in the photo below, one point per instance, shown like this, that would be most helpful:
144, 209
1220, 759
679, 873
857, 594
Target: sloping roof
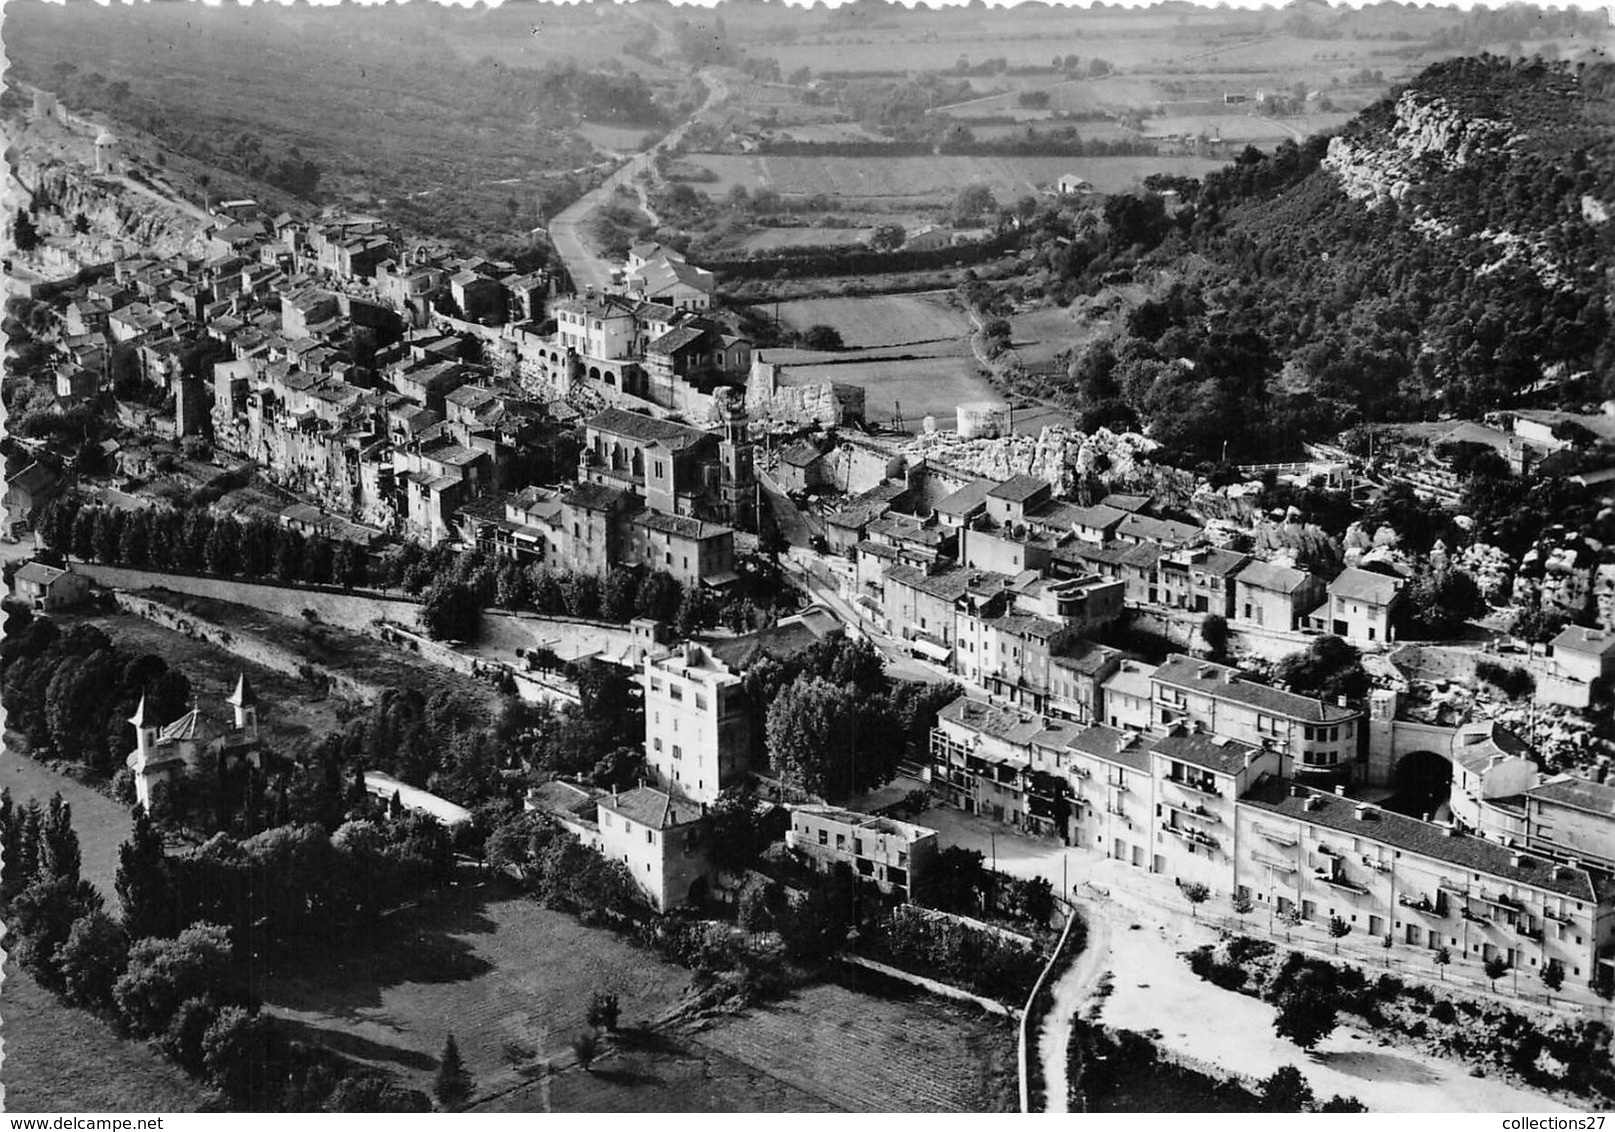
1412, 835
1211, 752
1212, 560
1018, 488
791, 636
1579, 638
679, 338
1271, 577
680, 526
1009, 724
800, 455
1365, 585
1124, 502
966, 499
945, 585
192, 726
1579, 793
1087, 657
1126, 748
559, 797
638, 426
1101, 517
1475, 745
384, 786
1155, 530
1225, 682
597, 497
648, 806
39, 573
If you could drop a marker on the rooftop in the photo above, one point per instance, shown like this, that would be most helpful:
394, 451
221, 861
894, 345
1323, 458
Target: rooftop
1579, 793
597, 497
948, 585
967, 499
39, 573
1580, 639
1008, 724
681, 526
1228, 683
1215, 753
1272, 577
1087, 657
1019, 488
1127, 748
638, 426
1365, 586
906, 830
647, 806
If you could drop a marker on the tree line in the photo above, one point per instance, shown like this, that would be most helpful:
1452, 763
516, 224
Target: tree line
186, 988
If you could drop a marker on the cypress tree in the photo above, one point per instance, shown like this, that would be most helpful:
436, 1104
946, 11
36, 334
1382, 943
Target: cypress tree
454, 1084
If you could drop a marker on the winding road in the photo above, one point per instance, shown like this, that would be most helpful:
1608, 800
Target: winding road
584, 263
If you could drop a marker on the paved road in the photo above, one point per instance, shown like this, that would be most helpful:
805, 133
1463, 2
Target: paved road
584, 263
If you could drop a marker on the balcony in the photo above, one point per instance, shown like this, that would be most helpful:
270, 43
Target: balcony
1277, 864
1112, 808
1117, 784
1557, 917
1420, 904
1528, 931
1503, 901
1338, 881
1080, 772
1328, 852
1198, 787
1198, 812
1192, 836
1277, 836
1475, 917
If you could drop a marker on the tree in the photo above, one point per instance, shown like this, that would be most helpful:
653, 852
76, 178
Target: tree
972, 203
1242, 904
759, 906
1441, 958
23, 232
1553, 975
237, 1056
1339, 929
887, 237
1495, 968
584, 1048
371, 1092
1285, 1091
811, 740
453, 1085
92, 958
1328, 667
822, 337
163, 973
604, 1010
1196, 894
451, 611
1306, 1012
142, 882
1214, 631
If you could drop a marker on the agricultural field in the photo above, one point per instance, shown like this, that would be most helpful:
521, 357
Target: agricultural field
773, 239
881, 320
933, 178
510, 978
62, 1059
924, 380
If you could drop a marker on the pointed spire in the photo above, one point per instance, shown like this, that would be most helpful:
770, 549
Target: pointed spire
243, 696
139, 718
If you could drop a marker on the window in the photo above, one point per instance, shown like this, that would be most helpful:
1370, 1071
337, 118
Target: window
656, 686
841, 841
678, 752
605, 816
656, 744
858, 847
824, 837
700, 702
676, 691
650, 837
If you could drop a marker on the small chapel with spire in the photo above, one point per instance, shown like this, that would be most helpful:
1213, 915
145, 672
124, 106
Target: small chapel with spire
163, 752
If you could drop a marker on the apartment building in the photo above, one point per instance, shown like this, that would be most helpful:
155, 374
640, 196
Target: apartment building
1200, 579
1324, 741
1359, 607
1275, 597
1198, 777
1419, 884
697, 735
892, 855
1572, 817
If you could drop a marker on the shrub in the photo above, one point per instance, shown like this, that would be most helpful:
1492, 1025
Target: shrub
1444, 1012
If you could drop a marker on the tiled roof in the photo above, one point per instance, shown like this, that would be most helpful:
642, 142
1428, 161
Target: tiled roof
1127, 748
1580, 793
1155, 530
647, 806
988, 719
1227, 683
597, 497
1019, 488
1271, 577
681, 526
1087, 657
1365, 585
638, 426
1125, 502
192, 726
948, 585
675, 340
1024, 625
966, 499
800, 455
1465, 851
39, 573
1212, 752
1578, 638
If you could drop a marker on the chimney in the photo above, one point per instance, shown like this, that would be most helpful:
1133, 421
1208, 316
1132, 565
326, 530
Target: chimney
1451, 828
1340, 791
1295, 791
1424, 817
1340, 701
1362, 811
1514, 859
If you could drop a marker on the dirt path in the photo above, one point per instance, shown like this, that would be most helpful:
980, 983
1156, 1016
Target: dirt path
1072, 995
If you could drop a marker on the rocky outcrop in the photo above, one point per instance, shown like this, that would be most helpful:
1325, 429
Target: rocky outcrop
119, 218
1376, 168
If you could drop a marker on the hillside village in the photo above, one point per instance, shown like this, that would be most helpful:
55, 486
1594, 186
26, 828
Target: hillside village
1194, 677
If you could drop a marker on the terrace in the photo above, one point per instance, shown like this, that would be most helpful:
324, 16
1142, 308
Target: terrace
1193, 836
1197, 812
1278, 836
1199, 786
1278, 864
